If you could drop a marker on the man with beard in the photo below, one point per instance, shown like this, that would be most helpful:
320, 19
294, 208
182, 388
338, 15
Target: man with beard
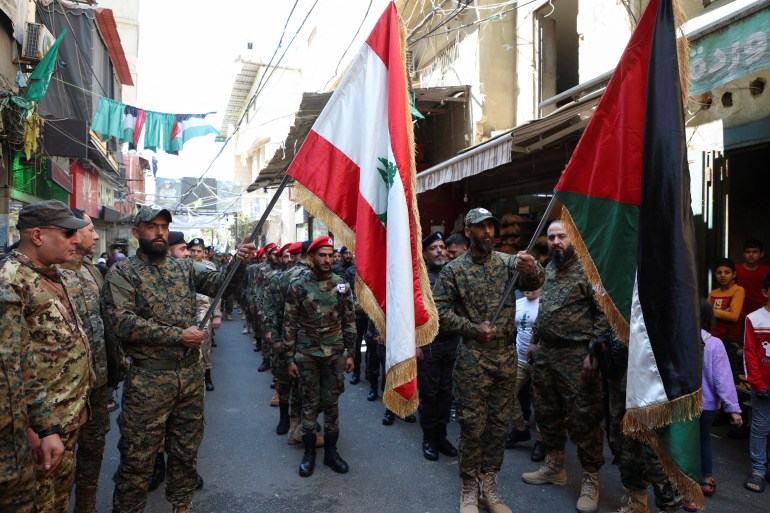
177, 246
319, 334
456, 245
569, 320
467, 293
149, 305
265, 273
434, 368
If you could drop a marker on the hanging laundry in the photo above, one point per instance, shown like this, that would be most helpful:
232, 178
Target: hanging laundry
189, 126
152, 130
108, 119
133, 121
31, 132
169, 120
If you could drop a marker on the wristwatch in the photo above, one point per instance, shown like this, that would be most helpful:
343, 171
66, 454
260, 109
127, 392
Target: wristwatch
54, 430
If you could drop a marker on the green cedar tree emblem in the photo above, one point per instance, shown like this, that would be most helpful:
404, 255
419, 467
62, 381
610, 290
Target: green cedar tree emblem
388, 174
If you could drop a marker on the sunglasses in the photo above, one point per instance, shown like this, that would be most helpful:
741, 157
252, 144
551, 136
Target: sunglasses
68, 232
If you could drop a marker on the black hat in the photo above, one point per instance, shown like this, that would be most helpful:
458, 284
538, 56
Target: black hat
175, 238
344, 249
49, 213
306, 244
197, 241
430, 239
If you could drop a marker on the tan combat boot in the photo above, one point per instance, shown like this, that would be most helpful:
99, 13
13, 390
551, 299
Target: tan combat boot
187, 508
469, 496
295, 435
553, 472
588, 502
636, 502
275, 400
489, 498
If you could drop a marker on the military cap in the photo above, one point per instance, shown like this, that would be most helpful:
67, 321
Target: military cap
49, 213
270, 248
430, 239
344, 249
478, 215
150, 212
336, 250
305, 245
321, 242
260, 252
295, 248
285, 247
197, 241
175, 238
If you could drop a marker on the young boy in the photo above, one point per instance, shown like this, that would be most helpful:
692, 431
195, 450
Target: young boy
750, 274
757, 361
727, 300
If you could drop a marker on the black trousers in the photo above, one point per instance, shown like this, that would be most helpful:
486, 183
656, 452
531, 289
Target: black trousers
434, 380
361, 323
375, 360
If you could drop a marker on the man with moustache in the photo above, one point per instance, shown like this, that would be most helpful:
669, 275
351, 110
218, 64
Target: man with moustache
149, 304
177, 246
569, 320
319, 336
434, 368
53, 334
467, 293
84, 282
456, 245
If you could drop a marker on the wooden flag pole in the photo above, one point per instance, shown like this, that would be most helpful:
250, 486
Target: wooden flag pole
236, 263
515, 277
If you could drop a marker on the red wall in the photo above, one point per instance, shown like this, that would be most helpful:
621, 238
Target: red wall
85, 189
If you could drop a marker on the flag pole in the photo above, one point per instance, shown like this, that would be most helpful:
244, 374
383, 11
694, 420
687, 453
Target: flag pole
236, 263
515, 277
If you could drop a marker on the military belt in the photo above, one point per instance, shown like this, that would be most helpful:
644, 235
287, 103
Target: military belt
185, 362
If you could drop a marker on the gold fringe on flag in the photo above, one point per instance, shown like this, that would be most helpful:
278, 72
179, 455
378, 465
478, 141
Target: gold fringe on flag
616, 319
400, 374
640, 423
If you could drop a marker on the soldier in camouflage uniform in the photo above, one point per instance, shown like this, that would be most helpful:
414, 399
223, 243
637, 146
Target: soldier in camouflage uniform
569, 320
467, 293
149, 304
85, 282
319, 335
48, 236
265, 274
244, 298
23, 407
196, 249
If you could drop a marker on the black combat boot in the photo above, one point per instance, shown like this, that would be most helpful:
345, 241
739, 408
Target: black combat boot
209, 383
331, 458
372, 396
442, 444
283, 423
307, 464
429, 449
257, 345
158, 472
264, 366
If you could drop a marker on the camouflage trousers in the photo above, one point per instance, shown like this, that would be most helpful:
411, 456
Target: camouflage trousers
53, 492
564, 403
638, 464
17, 494
321, 381
523, 379
206, 347
90, 449
484, 384
288, 387
158, 404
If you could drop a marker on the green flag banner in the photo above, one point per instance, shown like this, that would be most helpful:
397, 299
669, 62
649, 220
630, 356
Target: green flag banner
41, 76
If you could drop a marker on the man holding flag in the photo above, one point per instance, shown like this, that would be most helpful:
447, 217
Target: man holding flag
467, 292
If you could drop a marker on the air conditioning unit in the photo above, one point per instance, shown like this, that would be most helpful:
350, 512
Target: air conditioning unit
37, 41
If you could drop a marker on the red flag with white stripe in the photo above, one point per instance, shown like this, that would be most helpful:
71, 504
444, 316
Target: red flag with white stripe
355, 172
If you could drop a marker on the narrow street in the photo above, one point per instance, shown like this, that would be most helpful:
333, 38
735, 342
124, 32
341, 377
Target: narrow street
249, 469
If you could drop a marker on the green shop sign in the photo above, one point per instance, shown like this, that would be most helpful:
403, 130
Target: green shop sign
732, 52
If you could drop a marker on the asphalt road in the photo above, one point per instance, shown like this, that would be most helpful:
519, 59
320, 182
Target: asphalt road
249, 469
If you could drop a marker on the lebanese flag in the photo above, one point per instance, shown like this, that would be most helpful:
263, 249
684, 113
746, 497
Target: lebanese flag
626, 193
188, 126
355, 172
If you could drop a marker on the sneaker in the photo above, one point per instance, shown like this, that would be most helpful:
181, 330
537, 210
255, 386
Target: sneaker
588, 502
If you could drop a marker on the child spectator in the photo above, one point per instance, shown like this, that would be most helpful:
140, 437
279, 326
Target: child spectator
757, 360
750, 274
727, 302
718, 392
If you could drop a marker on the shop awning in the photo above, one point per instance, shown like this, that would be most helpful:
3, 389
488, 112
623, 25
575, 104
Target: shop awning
503, 149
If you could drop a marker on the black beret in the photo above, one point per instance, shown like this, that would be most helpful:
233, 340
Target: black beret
175, 238
344, 249
430, 239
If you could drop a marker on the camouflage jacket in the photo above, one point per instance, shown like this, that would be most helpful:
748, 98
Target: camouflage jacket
568, 308
468, 291
249, 277
204, 302
60, 347
148, 304
252, 284
275, 299
263, 281
84, 283
23, 400
319, 318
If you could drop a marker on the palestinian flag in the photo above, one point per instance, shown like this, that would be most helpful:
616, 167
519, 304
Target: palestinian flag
188, 126
355, 172
626, 197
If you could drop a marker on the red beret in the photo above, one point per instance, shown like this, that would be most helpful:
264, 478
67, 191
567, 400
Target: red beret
284, 248
295, 248
270, 248
260, 252
320, 242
